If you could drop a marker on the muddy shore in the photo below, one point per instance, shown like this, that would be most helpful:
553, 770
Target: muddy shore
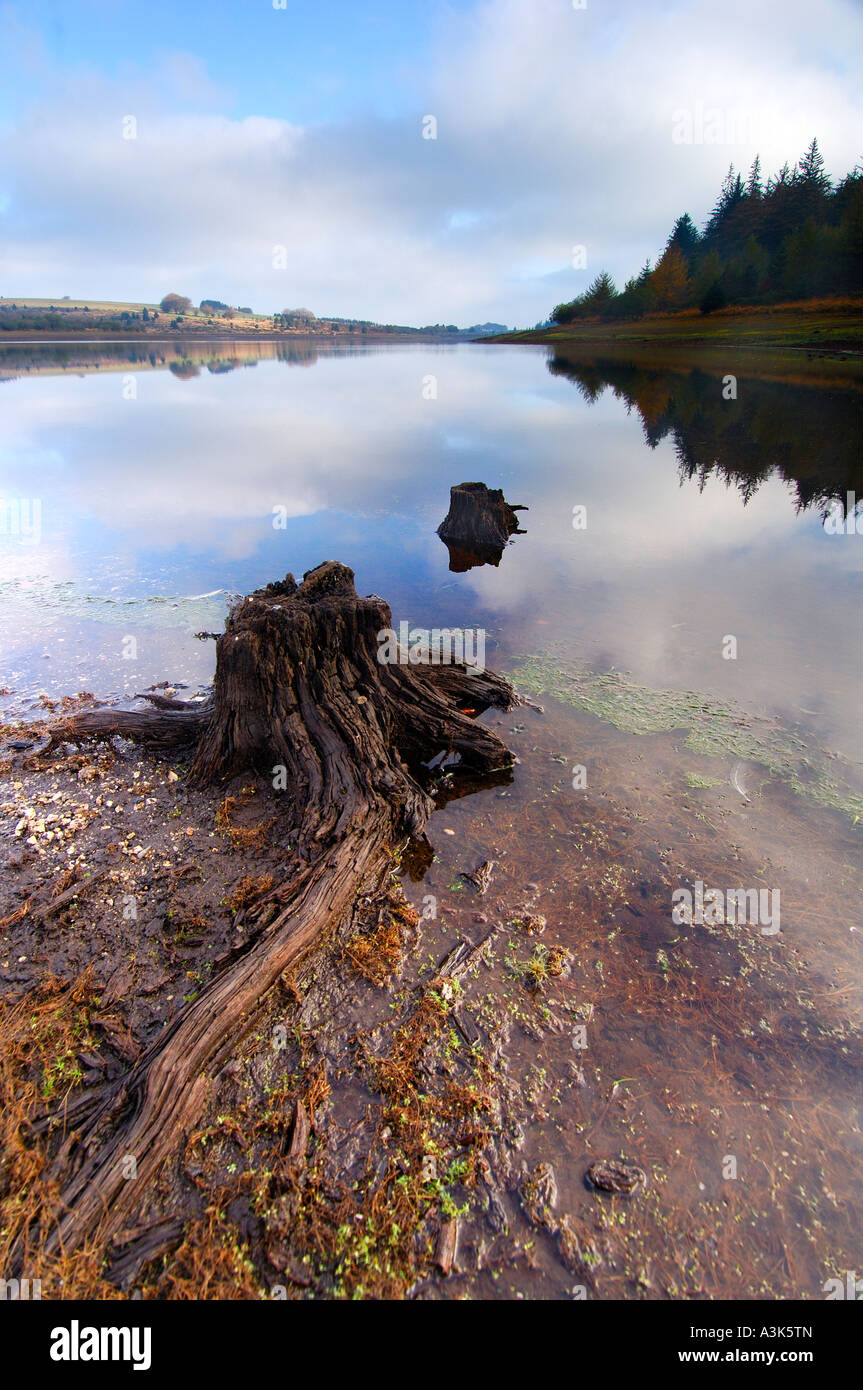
418, 1111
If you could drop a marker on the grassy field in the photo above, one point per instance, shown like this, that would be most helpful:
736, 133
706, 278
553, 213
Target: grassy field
811, 326
87, 318
102, 306
116, 306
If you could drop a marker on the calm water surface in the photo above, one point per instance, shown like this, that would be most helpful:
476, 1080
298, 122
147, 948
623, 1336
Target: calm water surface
159, 483
150, 502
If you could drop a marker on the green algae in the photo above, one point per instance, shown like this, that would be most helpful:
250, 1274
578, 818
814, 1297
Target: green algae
714, 728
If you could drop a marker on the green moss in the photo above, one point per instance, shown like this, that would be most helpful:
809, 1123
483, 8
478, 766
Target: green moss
714, 728
699, 783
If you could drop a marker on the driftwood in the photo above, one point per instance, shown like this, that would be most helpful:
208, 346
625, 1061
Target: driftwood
62, 900
135, 1249
299, 694
477, 526
446, 1246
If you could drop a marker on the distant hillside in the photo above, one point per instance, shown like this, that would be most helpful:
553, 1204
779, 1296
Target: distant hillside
212, 317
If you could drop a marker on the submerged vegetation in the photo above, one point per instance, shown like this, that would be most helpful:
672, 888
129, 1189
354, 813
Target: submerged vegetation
714, 728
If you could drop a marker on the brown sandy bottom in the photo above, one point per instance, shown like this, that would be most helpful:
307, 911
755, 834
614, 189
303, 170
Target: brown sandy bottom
416, 1109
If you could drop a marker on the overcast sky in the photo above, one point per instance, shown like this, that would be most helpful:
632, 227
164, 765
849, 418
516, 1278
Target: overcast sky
258, 128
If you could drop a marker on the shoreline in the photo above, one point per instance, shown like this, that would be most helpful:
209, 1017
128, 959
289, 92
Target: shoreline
429, 1023
817, 328
27, 339
792, 327
814, 348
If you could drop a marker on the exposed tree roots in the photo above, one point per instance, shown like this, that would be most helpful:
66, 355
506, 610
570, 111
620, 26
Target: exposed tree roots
301, 698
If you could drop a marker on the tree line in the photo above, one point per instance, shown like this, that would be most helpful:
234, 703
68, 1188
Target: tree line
795, 236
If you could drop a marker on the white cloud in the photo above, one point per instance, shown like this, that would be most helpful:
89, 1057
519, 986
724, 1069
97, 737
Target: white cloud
554, 128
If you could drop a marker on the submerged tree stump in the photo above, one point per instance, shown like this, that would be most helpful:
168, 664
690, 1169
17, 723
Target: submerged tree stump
477, 526
301, 698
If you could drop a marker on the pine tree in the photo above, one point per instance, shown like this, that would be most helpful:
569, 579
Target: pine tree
601, 292
684, 238
811, 171
753, 182
780, 180
731, 194
715, 298
709, 271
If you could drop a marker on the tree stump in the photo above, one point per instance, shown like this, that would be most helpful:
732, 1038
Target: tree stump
477, 526
299, 696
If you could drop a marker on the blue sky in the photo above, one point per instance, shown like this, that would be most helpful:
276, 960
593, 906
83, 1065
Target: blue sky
307, 62
259, 128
